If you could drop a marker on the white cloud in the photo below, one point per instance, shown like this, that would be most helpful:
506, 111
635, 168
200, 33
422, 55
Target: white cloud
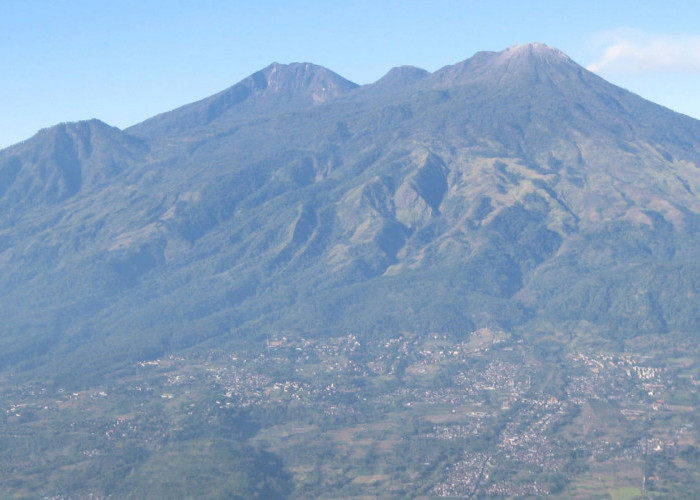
630, 52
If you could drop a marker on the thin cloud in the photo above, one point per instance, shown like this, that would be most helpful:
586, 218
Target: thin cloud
632, 53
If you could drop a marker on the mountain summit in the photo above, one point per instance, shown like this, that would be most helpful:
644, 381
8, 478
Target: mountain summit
514, 190
277, 87
498, 68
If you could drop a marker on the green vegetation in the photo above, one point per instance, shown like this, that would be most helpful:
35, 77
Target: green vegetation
626, 494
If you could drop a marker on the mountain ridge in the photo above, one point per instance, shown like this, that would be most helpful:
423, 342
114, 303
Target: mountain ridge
58, 162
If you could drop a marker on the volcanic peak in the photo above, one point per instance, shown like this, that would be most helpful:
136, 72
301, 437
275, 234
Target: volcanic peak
316, 81
534, 49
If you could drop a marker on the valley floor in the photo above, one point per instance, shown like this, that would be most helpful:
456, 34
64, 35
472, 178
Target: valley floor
490, 415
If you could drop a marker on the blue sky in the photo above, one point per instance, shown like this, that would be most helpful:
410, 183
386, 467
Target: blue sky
123, 61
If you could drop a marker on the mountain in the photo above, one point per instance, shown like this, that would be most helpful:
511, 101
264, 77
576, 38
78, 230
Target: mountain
514, 190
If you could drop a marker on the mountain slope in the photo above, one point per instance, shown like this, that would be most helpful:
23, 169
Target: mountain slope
514, 189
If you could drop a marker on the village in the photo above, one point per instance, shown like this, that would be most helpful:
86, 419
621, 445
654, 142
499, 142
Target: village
507, 420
